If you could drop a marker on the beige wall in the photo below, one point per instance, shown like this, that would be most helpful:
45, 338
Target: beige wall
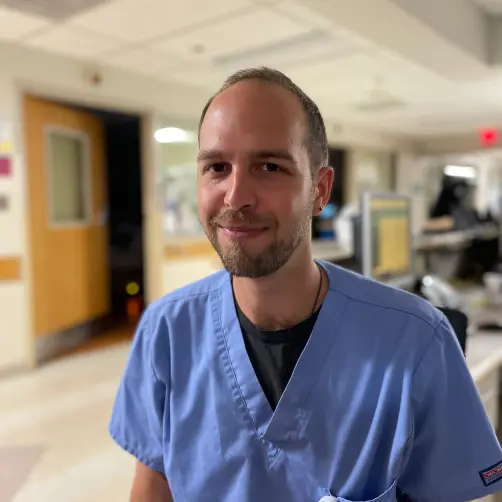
411, 180
368, 169
14, 306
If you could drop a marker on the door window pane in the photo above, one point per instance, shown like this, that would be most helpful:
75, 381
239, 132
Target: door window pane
67, 177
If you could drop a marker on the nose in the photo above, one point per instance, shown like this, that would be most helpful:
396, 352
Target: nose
240, 190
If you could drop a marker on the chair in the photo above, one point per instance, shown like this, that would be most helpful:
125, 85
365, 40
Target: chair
459, 322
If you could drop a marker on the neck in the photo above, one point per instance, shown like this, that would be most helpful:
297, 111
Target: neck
285, 297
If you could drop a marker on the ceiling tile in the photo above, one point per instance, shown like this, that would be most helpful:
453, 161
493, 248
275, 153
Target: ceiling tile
324, 73
301, 13
15, 25
295, 10
137, 21
141, 61
54, 10
265, 2
237, 34
201, 74
74, 42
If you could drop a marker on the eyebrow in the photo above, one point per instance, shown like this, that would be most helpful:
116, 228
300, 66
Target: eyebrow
262, 154
209, 154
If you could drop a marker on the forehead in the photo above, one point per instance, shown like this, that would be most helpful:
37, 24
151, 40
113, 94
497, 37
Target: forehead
254, 113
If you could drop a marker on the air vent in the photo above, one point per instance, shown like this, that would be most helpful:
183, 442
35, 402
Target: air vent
54, 10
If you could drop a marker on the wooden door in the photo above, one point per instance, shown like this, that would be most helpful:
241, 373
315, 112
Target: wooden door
66, 177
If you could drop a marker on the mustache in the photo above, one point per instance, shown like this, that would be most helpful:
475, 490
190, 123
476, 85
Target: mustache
230, 217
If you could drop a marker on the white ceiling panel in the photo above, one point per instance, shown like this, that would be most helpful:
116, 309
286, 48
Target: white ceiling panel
146, 62
201, 74
136, 21
16, 25
74, 42
365, 69
299, 12
266, 2
350, 69
238, 34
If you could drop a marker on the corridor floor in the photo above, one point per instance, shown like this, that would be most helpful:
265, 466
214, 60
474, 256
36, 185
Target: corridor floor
54, 444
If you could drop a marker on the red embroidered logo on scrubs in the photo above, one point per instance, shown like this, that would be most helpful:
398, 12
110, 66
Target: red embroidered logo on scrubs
492, 474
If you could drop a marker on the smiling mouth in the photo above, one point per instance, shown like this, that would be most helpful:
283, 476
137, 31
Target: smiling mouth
242, 231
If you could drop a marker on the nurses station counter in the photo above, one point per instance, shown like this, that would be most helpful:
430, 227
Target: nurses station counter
331, 250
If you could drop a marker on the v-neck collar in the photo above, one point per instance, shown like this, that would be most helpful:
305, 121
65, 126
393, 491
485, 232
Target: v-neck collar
282, 425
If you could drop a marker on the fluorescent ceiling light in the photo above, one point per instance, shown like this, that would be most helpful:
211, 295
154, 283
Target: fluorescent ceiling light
173, 135
460, 171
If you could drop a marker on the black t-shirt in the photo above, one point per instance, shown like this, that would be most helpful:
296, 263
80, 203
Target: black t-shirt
274, 354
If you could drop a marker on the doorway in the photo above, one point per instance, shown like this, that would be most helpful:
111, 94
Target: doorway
86, 225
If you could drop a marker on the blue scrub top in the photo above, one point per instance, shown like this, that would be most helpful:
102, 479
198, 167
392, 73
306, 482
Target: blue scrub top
381, 399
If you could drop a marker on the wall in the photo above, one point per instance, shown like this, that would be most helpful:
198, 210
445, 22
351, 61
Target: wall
411, 179
368, 170
14, 304
186, 258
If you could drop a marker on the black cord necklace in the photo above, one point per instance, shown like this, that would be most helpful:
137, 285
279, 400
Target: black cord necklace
319, 290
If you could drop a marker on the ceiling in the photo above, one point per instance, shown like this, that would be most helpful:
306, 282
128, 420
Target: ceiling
491, 6
383, 64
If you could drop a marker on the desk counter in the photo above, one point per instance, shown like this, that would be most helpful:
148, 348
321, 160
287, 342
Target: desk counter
484, 354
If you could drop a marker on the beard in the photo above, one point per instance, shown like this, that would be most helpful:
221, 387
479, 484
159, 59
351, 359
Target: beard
242, 262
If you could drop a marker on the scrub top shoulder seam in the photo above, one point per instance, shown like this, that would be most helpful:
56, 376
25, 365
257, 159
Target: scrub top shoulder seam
427, 347
150, 344
388, 307
166, 300
199, 288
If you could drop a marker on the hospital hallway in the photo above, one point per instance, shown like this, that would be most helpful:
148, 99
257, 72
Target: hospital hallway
53, 431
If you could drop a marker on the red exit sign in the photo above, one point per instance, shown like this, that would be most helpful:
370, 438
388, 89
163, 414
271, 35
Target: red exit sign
488, 136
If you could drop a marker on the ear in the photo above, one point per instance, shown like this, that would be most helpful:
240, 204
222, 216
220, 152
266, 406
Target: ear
324, 184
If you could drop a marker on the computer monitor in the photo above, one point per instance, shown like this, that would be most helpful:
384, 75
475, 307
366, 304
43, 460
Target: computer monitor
386, 239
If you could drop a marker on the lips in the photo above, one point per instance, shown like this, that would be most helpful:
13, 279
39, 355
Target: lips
241, 231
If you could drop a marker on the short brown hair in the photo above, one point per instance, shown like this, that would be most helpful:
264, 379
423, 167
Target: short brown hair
316, 142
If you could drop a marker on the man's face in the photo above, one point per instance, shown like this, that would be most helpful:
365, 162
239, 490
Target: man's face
255, 191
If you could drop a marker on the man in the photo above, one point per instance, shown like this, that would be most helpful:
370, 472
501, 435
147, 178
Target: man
285, 379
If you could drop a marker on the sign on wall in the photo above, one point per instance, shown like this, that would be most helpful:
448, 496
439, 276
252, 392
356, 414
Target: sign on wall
6, 137
5, 166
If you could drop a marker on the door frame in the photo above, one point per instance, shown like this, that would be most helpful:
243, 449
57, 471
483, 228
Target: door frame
150, 167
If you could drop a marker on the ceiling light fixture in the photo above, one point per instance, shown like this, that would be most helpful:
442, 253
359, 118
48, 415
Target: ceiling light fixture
173, 135
467, 172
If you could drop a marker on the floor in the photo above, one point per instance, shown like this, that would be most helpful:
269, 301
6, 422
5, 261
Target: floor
54, 444
122, 332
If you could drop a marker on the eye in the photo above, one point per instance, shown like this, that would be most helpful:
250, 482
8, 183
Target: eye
215, 168
271, 167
